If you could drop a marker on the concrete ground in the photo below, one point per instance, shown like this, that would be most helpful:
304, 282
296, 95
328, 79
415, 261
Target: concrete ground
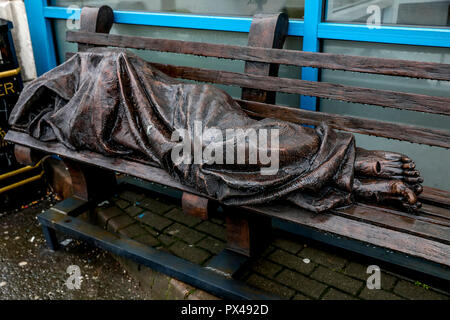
28, 270
291, 267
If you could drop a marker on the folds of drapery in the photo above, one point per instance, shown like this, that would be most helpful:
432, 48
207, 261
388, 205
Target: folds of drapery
112, 102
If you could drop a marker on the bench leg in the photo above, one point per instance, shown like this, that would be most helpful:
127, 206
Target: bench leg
88, 182
196, 206
247, 235
50, 237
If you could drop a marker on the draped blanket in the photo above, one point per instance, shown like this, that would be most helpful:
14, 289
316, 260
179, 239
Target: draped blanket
114, 103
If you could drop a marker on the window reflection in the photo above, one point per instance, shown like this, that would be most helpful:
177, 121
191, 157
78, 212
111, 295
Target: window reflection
294, 8
401, 12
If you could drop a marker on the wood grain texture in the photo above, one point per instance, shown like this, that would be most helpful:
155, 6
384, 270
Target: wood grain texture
385, 98
434, 195
268, 31
432, 137
393, 67
95, 20
361, 226
194, 205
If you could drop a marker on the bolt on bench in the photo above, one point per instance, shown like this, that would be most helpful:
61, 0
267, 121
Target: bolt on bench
420, 242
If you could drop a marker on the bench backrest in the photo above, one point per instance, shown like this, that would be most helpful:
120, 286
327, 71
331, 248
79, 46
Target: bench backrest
96, 23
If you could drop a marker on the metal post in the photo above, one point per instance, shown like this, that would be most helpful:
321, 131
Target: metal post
313, 15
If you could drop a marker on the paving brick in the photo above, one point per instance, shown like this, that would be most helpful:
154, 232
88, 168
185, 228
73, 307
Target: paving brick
190, 253
356, 270
299, 296
151, 230
211, 244
301, 283
119, 222
324, 258
181, 217
375, 294
160, 286
411, 291
266, 268
338, 280
270, 286
133, 210
359, 271
104, 214
148, 239
201, 295
287, 244
177, 290
333, 294
188, 235
268, 251
387, 281
291, 261
122, 203
131, 196
212, 229
155, 205
132, 231
154, 220
166, 240
218, 220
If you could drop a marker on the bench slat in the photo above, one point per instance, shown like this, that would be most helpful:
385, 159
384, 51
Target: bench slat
434, 195
398, 221
385, 98
438, 213
432, 137
406, 68
413, 245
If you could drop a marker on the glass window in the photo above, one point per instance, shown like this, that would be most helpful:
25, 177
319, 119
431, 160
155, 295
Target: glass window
431, 161
396, 12
294, 8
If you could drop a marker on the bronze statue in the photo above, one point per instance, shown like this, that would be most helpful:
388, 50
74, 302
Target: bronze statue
114, 103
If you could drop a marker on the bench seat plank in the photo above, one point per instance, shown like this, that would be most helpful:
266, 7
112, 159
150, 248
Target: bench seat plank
413, 69
364, 227
434, 195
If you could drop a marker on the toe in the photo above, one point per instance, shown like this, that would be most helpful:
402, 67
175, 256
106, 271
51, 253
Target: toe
407, 193
412, 173
413, 180
410, 196
406, 159
410, 165
418, 189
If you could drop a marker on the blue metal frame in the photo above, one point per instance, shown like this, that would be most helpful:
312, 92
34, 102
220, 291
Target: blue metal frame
313, 15
312, 29
41, 36
175, 20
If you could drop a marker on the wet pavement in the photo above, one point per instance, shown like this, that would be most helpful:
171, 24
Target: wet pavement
28, 270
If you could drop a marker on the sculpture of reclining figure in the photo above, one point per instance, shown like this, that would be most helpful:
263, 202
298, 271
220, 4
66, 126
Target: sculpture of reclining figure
112, 102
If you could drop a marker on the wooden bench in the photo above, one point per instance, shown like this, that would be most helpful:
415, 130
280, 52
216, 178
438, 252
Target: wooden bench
418, 242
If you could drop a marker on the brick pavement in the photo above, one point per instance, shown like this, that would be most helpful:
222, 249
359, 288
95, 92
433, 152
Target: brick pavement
291, 267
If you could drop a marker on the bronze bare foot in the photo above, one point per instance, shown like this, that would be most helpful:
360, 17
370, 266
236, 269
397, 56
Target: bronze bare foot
387, 165
387, 190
